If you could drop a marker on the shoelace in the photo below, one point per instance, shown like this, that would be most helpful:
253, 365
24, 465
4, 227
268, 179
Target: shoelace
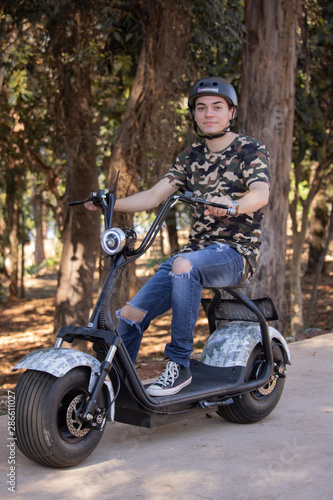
169, 375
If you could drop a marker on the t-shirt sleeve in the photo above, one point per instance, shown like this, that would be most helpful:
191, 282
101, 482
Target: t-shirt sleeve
257, 165
177, 175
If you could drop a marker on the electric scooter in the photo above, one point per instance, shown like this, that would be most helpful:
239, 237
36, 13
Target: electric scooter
65, 397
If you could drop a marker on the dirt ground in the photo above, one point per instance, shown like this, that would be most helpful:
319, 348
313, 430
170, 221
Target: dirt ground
27, 324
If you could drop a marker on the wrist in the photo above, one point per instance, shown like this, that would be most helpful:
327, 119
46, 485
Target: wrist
233, 210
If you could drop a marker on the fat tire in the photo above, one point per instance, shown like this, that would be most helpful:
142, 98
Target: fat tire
40, 435
252, 406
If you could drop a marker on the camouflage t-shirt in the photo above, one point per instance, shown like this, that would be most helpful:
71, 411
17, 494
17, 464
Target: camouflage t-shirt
230, 173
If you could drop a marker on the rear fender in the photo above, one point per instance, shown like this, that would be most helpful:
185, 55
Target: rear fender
232, 343
276, 335
58, 361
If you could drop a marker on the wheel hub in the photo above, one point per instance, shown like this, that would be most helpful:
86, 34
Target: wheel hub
270, 386
75, 425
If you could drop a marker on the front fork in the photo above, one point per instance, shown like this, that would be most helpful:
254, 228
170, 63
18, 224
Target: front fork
88, 410
90, 413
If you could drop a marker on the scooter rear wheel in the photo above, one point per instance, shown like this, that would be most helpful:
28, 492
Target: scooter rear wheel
48, 429
257, 405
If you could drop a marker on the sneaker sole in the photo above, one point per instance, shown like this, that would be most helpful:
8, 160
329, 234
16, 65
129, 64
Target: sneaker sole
152, 391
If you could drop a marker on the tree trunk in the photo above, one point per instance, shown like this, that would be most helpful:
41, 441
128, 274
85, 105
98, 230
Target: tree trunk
3, 269
171, 224
80, 235
299, 231
22, 288
296, 297
317, 233
13, 225
13, 228
320, 266
81, 232
37, 210
143, 152
267, 113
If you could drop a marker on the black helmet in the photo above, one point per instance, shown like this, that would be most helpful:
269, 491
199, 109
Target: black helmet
212, 85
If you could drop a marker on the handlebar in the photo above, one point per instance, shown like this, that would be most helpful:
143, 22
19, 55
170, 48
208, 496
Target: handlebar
187, 197
106, 200
98, 200
74, 203
190, 198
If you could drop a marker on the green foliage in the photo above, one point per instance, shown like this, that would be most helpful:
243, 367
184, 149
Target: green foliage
18, 87
51, 265
314, 84
313, 146
302, 187
217, 32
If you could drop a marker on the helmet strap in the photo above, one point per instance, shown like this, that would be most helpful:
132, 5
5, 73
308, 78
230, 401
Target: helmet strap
210, 137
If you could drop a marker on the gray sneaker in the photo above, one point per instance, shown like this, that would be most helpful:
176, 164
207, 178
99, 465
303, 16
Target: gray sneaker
174, 378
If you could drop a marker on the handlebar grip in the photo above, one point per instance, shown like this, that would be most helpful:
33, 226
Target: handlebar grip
218, 205
74, 203
204, 201
93, 197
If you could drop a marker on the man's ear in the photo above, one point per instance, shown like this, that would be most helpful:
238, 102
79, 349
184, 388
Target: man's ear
233, 114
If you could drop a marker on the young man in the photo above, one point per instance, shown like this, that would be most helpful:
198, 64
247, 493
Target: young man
223, 247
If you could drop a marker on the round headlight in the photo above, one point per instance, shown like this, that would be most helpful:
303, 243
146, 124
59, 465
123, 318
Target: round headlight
113, 240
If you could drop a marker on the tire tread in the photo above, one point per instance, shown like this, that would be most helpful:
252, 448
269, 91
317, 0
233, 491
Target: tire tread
36, 430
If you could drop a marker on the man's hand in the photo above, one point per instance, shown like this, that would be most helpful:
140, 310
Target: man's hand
256, 198
90, 206
218, 212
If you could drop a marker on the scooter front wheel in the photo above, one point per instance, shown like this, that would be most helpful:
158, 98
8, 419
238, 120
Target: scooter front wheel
257, 405
48, 428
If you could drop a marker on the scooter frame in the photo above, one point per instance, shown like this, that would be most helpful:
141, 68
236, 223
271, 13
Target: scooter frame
211, 386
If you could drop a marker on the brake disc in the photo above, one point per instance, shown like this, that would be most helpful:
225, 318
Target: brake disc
74, 424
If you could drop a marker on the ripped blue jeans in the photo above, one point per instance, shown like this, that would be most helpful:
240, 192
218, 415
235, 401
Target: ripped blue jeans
215, 266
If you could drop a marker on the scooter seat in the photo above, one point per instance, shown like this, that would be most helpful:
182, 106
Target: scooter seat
241, 285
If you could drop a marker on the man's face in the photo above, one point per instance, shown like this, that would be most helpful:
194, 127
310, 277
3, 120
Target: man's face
212, 114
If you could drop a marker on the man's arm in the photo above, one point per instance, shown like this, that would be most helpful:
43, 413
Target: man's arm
253, 200
145, 200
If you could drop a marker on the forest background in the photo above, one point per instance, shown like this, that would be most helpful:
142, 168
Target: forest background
88, 89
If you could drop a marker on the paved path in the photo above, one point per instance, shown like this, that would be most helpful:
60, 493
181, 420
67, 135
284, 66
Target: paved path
289, 455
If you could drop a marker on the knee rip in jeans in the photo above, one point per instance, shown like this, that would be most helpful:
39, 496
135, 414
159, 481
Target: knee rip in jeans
131, 314
181, 268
